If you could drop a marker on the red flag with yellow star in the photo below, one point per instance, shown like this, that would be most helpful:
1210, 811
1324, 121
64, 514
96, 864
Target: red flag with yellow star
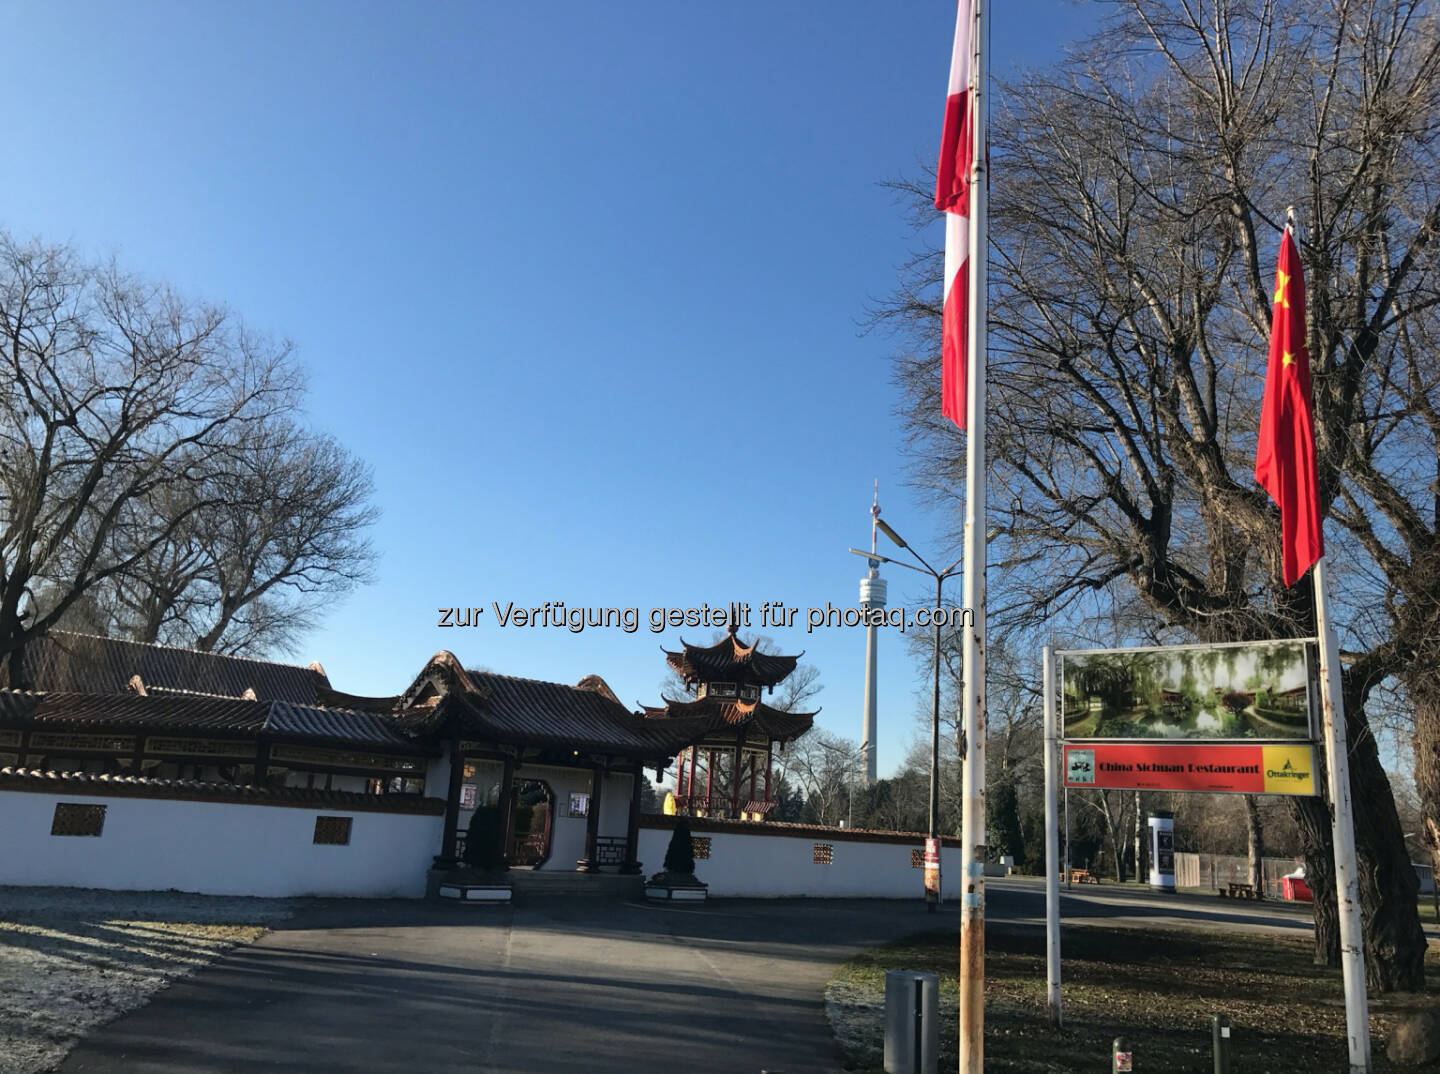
1285, 456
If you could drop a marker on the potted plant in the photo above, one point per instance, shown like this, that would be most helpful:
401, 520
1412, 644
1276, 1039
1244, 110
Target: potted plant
677, 880
482, 878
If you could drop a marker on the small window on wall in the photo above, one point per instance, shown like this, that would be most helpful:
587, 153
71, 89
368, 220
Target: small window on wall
333, 831
72, 818
700, 844
824, 854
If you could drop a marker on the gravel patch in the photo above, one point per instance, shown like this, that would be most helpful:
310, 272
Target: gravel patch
857, 1017
71, 960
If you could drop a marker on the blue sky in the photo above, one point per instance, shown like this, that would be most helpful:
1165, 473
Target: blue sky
584, 283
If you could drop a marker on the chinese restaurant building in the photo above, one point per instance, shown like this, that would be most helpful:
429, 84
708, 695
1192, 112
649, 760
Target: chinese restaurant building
226, 774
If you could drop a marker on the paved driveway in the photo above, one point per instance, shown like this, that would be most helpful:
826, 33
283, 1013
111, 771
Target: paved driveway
551, 986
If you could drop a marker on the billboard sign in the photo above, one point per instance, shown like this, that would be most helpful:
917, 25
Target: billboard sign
1230, 768
1250, 690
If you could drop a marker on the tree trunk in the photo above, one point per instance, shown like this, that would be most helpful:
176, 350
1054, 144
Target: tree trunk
1253, 848
1424, 693
1394, 941
1139, 841
1113, 826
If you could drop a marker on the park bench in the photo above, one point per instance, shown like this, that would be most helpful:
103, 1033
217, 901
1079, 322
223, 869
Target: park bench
1239, 891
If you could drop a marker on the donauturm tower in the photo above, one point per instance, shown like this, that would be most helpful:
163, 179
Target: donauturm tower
872, 596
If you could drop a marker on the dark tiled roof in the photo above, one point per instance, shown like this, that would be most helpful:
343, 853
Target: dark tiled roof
21, 779
729, 661
714, 713
86, 664
199, 713
550, 713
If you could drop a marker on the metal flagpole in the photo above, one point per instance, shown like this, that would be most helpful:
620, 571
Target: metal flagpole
1337, 767
1052, 845
972, 832
1347, 883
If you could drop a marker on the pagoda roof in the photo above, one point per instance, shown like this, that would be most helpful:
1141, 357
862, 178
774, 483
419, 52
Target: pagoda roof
531, 712
190, 712
729, 660
82, 683
717, 713
65, 662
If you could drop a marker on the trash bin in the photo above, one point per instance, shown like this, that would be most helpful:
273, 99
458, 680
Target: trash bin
912, 1022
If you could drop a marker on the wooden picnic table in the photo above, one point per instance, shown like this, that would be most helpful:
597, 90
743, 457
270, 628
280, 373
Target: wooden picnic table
1240, 891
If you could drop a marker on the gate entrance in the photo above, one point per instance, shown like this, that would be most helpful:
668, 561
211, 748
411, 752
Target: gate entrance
531, 825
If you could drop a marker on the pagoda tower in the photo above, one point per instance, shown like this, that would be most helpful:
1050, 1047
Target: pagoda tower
730, 721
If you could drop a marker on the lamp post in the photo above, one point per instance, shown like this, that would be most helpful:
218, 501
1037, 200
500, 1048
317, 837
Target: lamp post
939, 576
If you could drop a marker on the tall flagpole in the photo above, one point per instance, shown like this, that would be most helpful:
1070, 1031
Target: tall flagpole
972, 832
1337, 768
1347, 883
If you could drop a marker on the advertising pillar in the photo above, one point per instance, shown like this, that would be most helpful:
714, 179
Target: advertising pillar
1162, 851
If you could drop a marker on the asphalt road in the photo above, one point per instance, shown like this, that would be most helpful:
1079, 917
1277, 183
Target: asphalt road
560, 985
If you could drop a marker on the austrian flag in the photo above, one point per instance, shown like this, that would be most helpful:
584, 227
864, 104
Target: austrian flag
952, 197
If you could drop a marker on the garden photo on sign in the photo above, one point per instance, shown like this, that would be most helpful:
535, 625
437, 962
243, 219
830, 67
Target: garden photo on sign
1255, 690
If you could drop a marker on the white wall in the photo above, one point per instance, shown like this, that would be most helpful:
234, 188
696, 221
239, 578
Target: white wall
760, 864
215, 848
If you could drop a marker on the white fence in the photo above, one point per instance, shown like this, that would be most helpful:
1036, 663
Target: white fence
786, 861
313, 846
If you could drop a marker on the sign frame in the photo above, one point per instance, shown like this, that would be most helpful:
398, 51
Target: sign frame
1312, 689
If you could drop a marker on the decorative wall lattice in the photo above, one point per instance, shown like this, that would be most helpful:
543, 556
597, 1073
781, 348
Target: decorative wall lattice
700, 844
346, 759
917, 858
824, 854
47, 740
333, 831
199, 747
74, 818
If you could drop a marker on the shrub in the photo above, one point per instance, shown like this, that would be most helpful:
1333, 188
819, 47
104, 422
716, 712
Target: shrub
483, 848
680, 854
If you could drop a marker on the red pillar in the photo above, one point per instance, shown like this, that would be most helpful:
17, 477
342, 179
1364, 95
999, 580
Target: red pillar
709, 776
694, 756
736, 777
769, 760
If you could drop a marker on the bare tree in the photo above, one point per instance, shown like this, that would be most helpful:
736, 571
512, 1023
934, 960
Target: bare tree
1142, 182
282, 533
121, 393
828, 769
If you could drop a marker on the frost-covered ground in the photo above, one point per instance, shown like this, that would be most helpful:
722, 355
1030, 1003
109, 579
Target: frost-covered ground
71, 960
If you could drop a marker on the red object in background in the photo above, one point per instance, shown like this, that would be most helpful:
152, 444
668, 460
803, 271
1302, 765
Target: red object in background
1295, 890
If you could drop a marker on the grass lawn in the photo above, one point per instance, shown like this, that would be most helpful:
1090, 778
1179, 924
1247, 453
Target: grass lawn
1158, 988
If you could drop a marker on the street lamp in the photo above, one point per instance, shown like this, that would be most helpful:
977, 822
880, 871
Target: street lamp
939, 577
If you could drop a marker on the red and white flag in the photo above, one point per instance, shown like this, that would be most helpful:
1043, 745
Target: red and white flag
952, 197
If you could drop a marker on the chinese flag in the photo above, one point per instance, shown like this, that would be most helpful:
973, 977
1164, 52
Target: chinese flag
1285, 456
952, 197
